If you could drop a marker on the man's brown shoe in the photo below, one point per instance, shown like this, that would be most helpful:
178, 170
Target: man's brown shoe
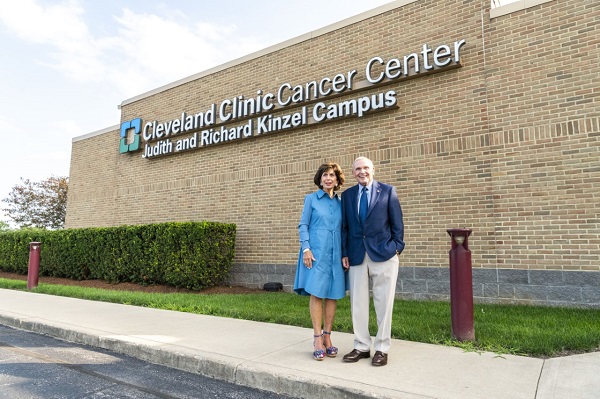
356, 355
379, 359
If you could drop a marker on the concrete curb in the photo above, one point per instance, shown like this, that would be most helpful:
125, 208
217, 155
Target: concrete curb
260, 376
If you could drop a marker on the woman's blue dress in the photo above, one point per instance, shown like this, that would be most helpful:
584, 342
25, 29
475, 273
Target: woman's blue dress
320, 231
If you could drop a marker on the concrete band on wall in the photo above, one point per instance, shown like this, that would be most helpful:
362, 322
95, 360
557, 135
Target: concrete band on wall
507, 286
504, 141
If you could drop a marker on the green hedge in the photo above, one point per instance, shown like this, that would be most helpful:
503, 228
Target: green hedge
192, 255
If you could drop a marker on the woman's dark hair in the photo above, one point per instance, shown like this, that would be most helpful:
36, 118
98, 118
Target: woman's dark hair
338, 174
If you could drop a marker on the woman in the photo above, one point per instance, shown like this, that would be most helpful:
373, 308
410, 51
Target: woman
320, 273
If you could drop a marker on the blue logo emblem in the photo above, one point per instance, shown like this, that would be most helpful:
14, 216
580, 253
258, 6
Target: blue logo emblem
126, 144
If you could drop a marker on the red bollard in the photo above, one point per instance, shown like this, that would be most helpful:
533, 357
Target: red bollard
461, 286
33, 270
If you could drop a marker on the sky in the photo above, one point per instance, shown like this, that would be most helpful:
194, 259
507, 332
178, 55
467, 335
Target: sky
68, 64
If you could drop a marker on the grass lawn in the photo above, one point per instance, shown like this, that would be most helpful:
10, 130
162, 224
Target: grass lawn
504, 329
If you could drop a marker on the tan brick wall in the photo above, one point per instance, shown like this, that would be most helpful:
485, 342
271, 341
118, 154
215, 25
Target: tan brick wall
507, 145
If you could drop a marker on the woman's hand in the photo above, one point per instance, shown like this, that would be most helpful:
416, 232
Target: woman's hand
308, 258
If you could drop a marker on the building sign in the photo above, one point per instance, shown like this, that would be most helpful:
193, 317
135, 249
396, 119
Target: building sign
289, 107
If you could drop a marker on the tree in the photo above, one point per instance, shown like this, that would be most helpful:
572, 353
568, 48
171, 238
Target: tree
38, 204
4, 226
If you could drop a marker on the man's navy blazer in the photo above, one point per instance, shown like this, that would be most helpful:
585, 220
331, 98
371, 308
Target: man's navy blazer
382, 236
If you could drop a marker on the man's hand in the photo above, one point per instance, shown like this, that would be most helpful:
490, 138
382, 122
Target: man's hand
345, 263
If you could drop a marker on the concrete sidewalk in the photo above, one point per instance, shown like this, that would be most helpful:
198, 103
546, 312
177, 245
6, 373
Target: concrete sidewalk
278, 358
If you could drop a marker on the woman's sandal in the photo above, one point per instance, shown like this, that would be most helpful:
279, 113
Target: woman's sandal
318, 354
332, 351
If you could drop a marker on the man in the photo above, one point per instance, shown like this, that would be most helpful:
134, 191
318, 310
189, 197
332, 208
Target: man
372, 237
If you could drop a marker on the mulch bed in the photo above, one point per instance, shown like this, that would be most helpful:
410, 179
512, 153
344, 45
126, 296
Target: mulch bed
133, 287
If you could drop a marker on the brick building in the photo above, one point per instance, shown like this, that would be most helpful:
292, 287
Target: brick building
482, 118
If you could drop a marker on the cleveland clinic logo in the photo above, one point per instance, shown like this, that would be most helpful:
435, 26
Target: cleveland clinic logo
130, 136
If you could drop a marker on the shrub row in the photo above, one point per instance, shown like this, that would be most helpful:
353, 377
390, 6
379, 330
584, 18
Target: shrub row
192, 255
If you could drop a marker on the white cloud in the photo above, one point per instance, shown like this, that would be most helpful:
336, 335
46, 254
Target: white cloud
66, 128
154, 50
147, 51
7, 126
67, 43
52, 24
